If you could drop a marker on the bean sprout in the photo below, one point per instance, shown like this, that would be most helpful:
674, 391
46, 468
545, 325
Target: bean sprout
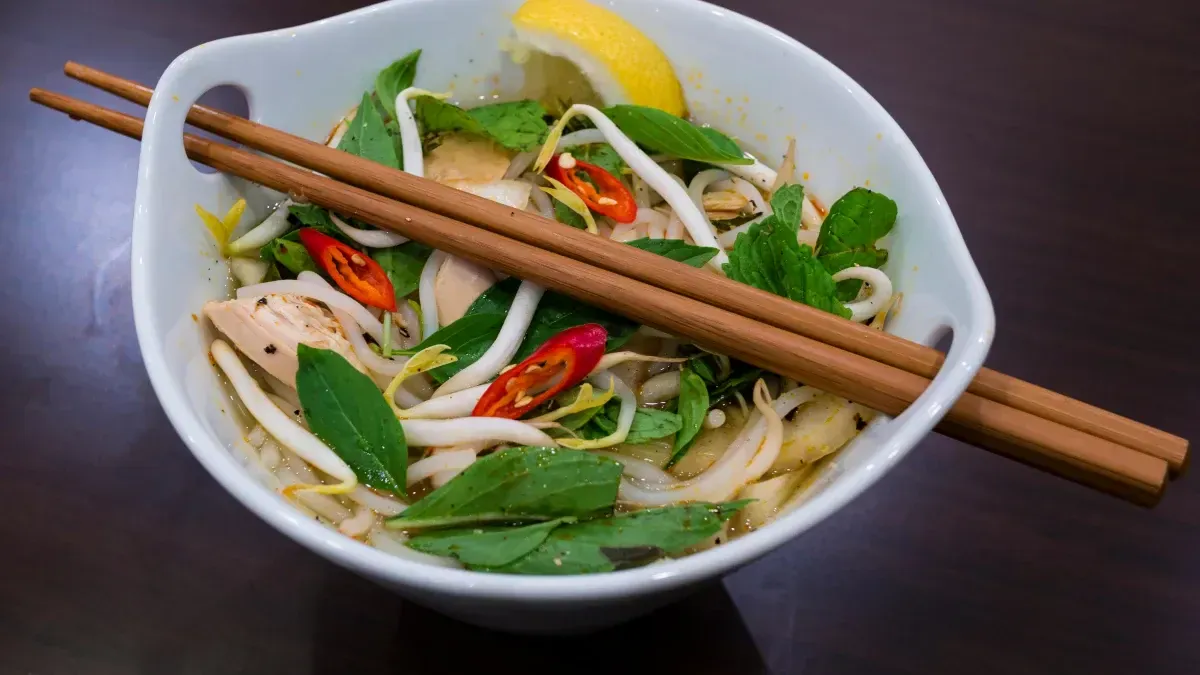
368, 238
426, 293
520, 313
424, 433
274, 225
434, 464
881, 291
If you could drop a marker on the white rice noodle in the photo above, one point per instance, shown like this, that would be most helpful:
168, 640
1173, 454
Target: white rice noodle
455, 460
639, 469
384, 506
654, 222
624, 232
410, 136
641, 193
657, 178
274, 225
747, 458
277, 423
368, 238
674, 226
281, 391
427, 294
701, 182
257, 436
661, 388
880, 287
334, 299
459, 404
248, 271
359, 524
392, 543
425, 433
270, 454
520, 313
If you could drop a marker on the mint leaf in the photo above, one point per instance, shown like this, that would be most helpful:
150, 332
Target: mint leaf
516, 125
848, 235
663, 132
344, 409
403, 265
368, 136
692, 407
677, 250
487, 546
627, 540
519, 484
395, 79
768, 257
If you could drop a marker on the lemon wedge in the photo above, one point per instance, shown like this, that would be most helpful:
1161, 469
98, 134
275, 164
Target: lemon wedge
623, 65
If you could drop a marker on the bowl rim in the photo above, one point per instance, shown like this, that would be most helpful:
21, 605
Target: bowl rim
655, 578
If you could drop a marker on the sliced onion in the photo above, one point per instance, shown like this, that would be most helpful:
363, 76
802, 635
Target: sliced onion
427, 293
368, 238
444, 461
756, 443
424, 433
602, 380
274, 225
279, 424
248, 271
661, 388
334, 299
541, 200
616, 358
520, 313
881, 291
581, 137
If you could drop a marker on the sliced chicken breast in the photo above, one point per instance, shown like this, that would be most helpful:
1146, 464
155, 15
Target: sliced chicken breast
268, 330
457, 284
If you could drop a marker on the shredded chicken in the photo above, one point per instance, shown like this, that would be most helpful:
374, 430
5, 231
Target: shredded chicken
269, 328
466, 158
457, 284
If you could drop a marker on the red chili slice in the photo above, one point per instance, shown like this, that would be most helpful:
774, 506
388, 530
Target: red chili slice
354, 272
562, 362
605, 194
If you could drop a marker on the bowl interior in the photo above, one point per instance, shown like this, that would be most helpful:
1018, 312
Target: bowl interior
304, 79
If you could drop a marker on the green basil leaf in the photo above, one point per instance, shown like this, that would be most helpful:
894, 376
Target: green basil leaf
486, 546
650, 424
403, 265
741, 380
516, 125
627, 540
663, 132
468, 339
556, 313
291, 254
519, 484
395, 79
344, 409
564, 215
677, 250
848, 235
602, 155
693, 406
368, 137
768, 257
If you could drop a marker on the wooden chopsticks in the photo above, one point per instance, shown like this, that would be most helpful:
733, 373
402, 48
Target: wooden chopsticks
651, 290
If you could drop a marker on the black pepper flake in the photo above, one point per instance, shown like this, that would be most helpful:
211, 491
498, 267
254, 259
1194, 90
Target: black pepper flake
270, 349
262, 301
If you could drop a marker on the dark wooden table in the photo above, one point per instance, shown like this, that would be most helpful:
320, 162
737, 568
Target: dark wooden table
1065, 135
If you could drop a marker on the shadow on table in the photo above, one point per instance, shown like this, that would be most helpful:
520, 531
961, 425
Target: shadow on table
702, 633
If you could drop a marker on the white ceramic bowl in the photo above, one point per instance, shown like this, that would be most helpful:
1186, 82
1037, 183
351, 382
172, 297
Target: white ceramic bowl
304, 79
